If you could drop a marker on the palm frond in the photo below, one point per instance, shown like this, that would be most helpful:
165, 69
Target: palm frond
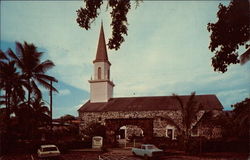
19, 50
32, 48
15, 57
44, 109
3, 56
46, 85
44, 66
191, 100
36, 90
19, 93
177, 97
46, 77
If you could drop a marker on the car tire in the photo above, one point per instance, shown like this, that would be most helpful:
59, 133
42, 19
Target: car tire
146, 157
133, 153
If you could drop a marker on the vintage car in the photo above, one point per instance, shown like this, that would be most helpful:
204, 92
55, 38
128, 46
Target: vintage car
148, 151
46, 151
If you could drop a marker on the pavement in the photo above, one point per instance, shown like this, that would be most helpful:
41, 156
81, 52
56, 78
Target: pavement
125, 154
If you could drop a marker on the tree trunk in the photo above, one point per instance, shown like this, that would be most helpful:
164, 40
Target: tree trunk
29, 92
7, 105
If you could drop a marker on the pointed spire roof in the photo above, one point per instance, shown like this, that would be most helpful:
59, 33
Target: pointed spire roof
101, 54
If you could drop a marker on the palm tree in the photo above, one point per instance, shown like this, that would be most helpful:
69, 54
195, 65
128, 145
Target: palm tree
28, 59
12, 82
189, 110
41, 111
3, 59
40, 115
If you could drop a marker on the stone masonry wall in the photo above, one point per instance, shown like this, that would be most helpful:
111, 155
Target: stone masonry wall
99, 117
159, 122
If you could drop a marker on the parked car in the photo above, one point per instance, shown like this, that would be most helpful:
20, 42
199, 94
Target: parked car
148, 151
46, 151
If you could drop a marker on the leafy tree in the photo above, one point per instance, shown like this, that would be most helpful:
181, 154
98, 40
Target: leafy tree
67, 118
235, 123
189, 110
241, 117
94, 129
229, 33
120, 8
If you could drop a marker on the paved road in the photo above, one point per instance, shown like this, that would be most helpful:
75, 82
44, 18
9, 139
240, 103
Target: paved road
115, 155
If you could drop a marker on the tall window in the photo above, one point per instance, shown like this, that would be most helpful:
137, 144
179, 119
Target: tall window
99, 72
170, 132
108, 74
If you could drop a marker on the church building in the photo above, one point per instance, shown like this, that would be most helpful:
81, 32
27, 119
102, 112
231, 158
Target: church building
156, 116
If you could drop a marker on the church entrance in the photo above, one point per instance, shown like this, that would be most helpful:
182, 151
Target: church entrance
128, 131
130, 136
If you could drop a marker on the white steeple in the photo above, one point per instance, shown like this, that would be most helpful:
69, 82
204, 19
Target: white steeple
101, 88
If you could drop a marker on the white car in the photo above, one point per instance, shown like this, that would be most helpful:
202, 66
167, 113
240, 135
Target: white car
48, 151
148, 151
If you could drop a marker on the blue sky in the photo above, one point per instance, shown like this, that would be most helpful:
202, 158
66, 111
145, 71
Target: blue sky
166, 50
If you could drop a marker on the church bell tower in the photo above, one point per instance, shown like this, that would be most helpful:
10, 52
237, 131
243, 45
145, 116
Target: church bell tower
101, 88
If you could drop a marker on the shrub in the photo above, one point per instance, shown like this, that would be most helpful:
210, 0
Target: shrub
104, 148
165, 143
195, 145
222, 145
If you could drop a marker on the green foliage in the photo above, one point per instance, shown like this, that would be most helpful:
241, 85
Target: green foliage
189, 111
236, 122
195, 145
12, 82
241, 114
66, 118
228, 33
28, 60
120, 8
94, 129
20, 74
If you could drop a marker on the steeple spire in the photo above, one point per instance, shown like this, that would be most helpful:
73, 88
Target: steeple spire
101, 54
101, 88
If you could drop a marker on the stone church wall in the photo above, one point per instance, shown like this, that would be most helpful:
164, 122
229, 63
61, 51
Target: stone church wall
160, 121
210, 132
161, 118
159, 128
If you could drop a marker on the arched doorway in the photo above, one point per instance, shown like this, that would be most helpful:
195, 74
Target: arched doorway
130, 136
113, 127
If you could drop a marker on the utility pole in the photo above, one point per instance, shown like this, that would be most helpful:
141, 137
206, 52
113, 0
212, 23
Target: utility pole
51, 103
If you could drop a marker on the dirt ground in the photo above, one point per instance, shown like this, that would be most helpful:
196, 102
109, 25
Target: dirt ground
121, 154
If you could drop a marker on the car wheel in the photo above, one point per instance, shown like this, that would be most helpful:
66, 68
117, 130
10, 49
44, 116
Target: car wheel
134, 153
146, 157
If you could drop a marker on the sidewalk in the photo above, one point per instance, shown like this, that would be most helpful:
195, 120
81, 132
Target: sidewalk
86, 150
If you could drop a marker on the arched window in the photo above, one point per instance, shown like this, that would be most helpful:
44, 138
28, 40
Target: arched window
108, 74
99, 72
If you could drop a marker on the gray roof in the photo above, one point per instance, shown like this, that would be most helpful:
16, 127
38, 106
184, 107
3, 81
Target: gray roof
208, 102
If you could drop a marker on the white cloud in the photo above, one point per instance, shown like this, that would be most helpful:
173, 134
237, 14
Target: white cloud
83, 101
64, 92
73, 110
166, 50
233, 92
231, 97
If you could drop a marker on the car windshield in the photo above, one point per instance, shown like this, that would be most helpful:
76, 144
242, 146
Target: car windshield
49, 149
152, 147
